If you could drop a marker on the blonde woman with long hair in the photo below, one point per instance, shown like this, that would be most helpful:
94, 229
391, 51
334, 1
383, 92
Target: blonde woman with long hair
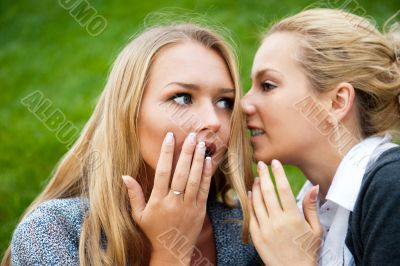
325, 95
172, 97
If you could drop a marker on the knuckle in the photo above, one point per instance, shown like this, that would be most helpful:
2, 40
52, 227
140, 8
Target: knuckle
193, 184
199, 158
319, 232
179, 176
278, 225
163, 172
187, 151
204, 190
267, 190
167, 149
285, 190
132, 196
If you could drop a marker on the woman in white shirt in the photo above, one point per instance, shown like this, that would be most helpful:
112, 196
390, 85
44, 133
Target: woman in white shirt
325, 93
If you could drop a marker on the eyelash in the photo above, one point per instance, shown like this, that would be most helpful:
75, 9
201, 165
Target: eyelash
264, 85
174, 98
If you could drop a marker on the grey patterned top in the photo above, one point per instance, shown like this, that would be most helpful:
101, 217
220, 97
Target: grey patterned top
50, 235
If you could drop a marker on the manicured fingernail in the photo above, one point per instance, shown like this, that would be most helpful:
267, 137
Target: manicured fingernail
261, 165
208, 162
201, 145
192, 138
249, 194
125, 178
256, 180
275, 163
169, 138
314, 193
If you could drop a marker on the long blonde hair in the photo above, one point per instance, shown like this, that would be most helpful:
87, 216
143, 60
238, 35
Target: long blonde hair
338, 46
108, 148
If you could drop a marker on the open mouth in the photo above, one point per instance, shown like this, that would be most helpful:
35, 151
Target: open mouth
210, 150
256, 132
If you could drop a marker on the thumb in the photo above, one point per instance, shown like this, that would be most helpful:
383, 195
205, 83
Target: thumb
136, 197
310, 208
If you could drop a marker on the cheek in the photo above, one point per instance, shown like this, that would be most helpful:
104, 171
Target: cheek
152, 132
150, 143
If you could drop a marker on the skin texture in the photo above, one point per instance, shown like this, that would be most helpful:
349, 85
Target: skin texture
278, 85
189, 91
291, 136
173, 70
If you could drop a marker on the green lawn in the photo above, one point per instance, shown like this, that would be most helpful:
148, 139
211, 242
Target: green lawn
42, 47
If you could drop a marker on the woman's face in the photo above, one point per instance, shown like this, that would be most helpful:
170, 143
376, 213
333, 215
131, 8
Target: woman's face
278, 129
189, 90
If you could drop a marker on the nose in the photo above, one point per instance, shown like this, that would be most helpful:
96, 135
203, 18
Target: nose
247, 104
210, 119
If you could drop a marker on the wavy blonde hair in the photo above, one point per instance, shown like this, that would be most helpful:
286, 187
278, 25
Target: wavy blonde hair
112, 133
338, 46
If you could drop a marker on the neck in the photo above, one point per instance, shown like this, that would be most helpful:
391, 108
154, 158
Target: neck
321, 170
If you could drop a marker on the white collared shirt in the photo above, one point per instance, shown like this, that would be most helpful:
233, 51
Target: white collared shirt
341, 197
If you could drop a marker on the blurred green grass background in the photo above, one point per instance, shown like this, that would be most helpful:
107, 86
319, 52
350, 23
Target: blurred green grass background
42, 47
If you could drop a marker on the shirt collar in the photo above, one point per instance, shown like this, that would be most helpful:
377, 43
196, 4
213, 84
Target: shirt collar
348, 177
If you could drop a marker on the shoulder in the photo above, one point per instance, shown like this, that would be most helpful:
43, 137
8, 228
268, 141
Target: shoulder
50, 234
378, 199
384, 175
373, 225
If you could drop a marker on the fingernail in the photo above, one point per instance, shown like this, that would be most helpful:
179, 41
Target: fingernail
261, 165
256, 180
192, 138
314, 193
169, 138
201, 145
125, 178
275, 163
249, 194
208, 162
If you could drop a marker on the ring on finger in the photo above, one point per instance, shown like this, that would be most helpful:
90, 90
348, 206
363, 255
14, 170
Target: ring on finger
177, 192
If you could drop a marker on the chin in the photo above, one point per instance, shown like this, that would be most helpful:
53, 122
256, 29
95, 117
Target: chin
263, 156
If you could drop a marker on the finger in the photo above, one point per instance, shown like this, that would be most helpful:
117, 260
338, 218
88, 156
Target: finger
196, 171
258, 203
268, 190
164, 167
286, 196
183, 165
253, 218
204, 189
136, 197
310, 209
253, 224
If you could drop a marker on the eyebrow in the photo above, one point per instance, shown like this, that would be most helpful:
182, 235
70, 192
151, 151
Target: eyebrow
265, 70
190, 86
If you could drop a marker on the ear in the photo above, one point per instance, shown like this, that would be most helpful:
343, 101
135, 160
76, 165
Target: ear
342, 100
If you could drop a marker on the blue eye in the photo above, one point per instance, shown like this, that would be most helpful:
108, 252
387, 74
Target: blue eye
267, 86
182, 98
225, 103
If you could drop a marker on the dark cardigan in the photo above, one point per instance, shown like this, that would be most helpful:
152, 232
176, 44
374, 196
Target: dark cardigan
373, 235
